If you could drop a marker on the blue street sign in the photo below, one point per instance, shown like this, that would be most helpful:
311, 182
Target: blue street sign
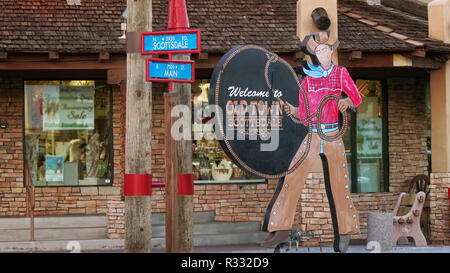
170, 70
171, 42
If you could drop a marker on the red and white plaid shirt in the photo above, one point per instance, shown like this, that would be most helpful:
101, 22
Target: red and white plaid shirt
316, 88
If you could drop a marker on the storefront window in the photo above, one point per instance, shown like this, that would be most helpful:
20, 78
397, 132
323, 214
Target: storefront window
366, 152
68, 132
210, 163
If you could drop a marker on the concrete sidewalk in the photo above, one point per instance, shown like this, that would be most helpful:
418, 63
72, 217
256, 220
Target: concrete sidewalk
102, 245
116, 246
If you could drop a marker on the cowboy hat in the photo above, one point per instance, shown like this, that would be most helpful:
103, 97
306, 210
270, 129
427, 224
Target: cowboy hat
312, 41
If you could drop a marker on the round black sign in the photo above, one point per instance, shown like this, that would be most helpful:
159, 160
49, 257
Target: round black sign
253, 129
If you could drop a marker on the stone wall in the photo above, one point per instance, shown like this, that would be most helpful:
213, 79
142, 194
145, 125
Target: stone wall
439, 205
116, 219
12, 197
407, 127
313, 212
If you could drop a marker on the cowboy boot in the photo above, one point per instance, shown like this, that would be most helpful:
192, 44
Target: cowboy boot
280, 236
341, 243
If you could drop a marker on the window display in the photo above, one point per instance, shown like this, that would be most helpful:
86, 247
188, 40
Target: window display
367, 155
68, 132
209, 161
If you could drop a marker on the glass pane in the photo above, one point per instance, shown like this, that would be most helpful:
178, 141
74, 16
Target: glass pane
67, 132
369, 137
209, 160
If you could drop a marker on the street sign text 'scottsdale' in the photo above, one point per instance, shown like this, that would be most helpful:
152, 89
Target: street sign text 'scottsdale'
170, 42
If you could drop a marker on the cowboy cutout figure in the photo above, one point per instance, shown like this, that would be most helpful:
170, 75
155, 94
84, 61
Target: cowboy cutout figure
322, 80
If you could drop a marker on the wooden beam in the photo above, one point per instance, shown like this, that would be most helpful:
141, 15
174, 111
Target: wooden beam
356, 55
203, 56
401, 60
441, 58
53, 56
427, 63
3, 55
369, 60
65, 62
206, 63
116, 76
75, 65
380, 60
419, 53
416, 7
299, 55
103, 56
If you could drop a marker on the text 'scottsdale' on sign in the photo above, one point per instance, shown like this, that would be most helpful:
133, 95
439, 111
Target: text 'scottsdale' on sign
170, 42
253, 130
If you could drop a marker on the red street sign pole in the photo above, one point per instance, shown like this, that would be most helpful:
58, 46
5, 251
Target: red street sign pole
170, 83
177, 16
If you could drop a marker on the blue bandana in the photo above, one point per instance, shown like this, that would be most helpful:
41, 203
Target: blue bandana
317, 71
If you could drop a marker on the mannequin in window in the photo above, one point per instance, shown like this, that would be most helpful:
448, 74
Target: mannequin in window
92, 155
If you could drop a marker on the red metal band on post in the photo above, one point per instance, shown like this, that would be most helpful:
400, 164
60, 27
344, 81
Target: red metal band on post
185, 184
137, 184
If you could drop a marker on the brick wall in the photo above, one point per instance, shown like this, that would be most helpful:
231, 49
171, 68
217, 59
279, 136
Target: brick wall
313, 211
407, 131
116, 219
440, 208
12, 198
158, 135
49, 200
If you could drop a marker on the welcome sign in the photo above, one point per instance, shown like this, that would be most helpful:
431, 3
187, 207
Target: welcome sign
251, 126
68, 107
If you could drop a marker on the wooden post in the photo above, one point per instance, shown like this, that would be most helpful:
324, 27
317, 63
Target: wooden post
170, 100
179, 208
184, 233
438, 22
138, 232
